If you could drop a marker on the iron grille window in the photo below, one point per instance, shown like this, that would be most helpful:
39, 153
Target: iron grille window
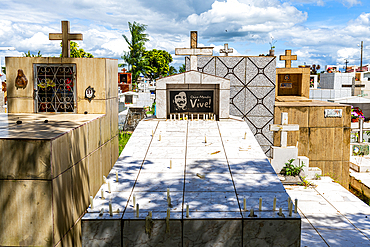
55, 87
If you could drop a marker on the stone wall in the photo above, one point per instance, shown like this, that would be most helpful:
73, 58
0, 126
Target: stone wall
252, 90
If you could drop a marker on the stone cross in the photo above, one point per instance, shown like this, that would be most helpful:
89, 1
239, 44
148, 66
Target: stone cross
284, 127
65, 36
288, 57
226, 49
194, 50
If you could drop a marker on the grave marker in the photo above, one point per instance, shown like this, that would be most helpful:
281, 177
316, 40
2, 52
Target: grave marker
65, 36
194, 50
288, 57
226, 49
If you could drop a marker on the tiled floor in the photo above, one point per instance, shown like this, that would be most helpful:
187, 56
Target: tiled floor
331, 215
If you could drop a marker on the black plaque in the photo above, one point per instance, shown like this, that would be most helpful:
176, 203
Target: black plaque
191, 101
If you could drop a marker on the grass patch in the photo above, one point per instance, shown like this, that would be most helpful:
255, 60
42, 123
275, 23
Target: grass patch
123, 138
360, 195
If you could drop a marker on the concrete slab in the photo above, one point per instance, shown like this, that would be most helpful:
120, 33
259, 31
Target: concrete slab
211, 177
331, 215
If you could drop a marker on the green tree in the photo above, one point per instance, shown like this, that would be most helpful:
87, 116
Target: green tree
157, 64
28, 54
182, 68
75, 52
134, 58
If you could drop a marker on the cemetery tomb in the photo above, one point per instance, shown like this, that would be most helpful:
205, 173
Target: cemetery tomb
184, 183
185, 179
292, 83
59, 138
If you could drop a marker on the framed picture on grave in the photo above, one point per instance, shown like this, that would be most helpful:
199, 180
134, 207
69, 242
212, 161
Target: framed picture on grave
191, 101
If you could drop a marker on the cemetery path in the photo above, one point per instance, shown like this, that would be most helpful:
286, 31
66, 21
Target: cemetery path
331, 215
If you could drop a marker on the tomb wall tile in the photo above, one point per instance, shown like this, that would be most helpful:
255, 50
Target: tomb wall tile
62, 205
101, 233
193, 77
95, 171
20, 105
26, 217
25, 159
105, 127
106, 158
13, 64
134, 233
80, 189
94, 135
161, 104
214, 232
115, 149
73, 237
61, 152
271, 233
203, 86
111, 78
94, 107
175, 86
220, 68
91, 72
224, 103
79, 143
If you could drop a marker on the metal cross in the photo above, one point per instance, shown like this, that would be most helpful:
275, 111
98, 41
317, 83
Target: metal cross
226, 49
194, 50
288, 57
65, 36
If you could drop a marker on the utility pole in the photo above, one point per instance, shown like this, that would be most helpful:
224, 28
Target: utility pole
346, 64
362, 49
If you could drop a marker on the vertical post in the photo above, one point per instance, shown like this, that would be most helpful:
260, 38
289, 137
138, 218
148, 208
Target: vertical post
65, 42
362, 49
361, 126
284, 134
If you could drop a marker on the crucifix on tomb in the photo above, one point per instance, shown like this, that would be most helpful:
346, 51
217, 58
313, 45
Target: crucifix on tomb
284, 127
288, 57
226, 49
65, 36
194, 50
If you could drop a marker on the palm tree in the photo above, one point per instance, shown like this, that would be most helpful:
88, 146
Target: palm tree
134, 57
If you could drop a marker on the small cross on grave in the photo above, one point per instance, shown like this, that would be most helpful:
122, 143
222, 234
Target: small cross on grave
284, 127
194, 50
65, 36
288, 57
226, 49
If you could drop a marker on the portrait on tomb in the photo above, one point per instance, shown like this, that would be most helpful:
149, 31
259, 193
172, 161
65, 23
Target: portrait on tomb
285, 85
191, 101
89, 93
21, 81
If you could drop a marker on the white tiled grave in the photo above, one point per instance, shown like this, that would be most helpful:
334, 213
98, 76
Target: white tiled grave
215, 165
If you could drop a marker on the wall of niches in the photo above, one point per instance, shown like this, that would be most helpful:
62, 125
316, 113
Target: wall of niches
252, 90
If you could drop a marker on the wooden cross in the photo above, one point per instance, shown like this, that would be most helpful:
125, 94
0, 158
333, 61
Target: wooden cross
226, 49
65, 36
288, 57
194, 50
284, 127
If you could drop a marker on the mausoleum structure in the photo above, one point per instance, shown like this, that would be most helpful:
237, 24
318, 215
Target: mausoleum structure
57, 141
192, 181
252, 89
324, 128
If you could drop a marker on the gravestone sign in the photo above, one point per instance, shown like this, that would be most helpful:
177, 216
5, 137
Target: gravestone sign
191, 101
193, 92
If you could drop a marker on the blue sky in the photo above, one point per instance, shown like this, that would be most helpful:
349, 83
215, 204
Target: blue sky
318, 31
